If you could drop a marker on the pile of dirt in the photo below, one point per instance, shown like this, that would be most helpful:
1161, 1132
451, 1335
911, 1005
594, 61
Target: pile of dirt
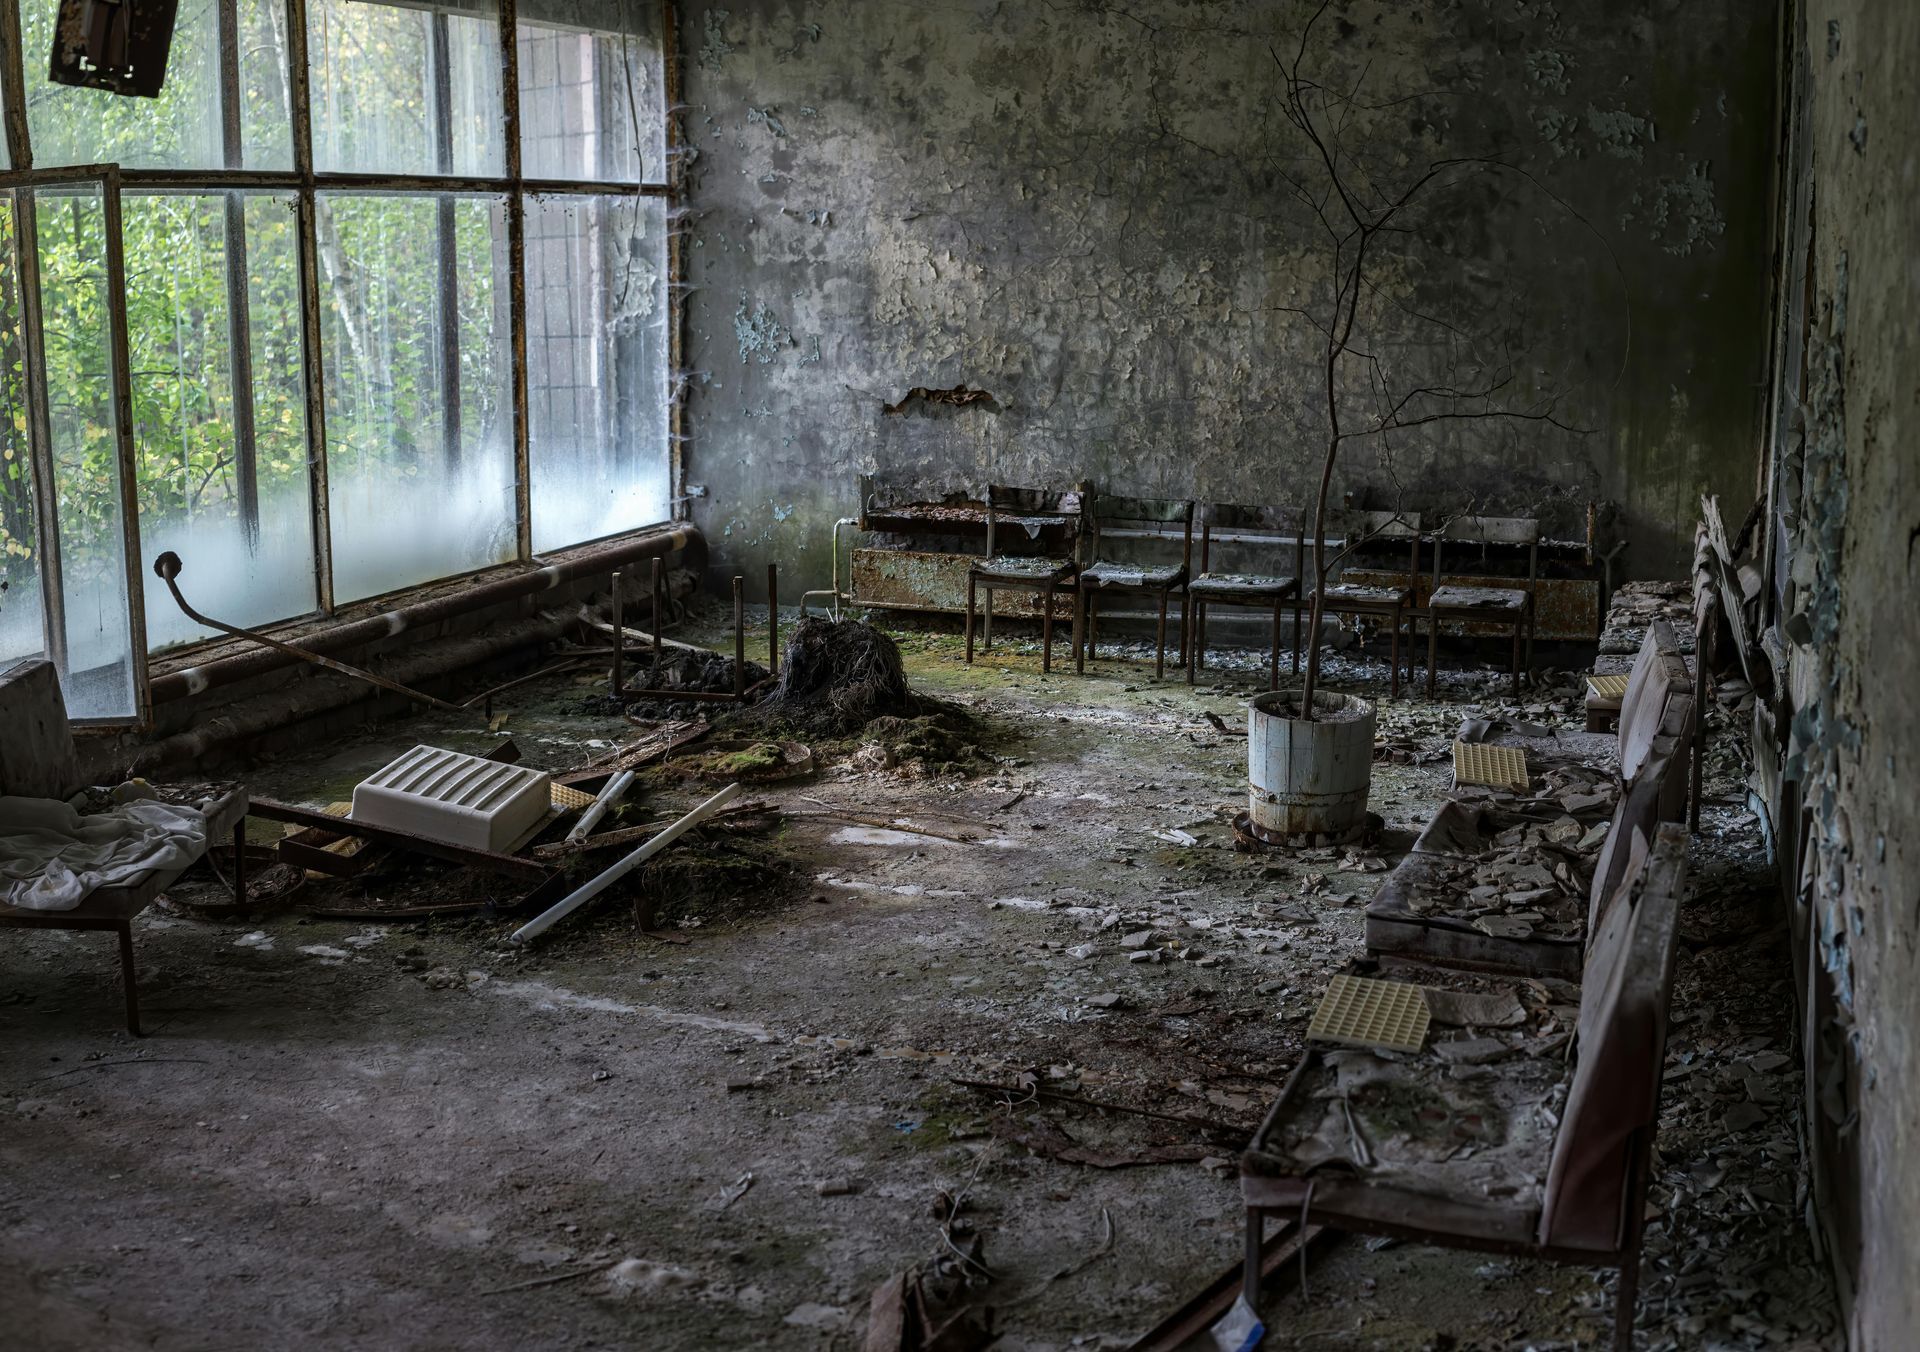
837, 676
843, 680
692, 669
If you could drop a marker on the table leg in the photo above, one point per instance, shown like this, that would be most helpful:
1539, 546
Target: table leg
125, 931
1433, 648
1393, 685
1046, 630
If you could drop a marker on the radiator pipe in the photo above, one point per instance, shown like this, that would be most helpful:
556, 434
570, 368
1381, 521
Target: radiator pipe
682, 539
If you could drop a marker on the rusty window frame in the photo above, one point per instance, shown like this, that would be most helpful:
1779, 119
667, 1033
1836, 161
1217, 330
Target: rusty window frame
232, 182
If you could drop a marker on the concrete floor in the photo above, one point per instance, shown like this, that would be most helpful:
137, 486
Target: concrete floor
344, 1135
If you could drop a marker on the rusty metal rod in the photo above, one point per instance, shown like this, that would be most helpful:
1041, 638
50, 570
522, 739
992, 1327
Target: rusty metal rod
658, 618
619, 636
167, 567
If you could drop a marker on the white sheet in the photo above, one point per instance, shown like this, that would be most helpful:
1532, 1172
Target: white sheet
52, 857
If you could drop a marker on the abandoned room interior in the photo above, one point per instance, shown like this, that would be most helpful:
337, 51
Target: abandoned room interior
839, 674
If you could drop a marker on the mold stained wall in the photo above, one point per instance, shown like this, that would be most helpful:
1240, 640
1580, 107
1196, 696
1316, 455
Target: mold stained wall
1083, 209
1856, 737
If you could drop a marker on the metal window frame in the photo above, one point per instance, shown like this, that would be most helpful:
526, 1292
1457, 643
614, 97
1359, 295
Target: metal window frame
232, 182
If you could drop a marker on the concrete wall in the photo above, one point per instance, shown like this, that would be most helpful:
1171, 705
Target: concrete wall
1084, 210
1850, 496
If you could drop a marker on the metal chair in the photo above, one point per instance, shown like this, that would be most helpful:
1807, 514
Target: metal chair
1104, 575
1506, 606
1255, 526
1392, 602
1032, 509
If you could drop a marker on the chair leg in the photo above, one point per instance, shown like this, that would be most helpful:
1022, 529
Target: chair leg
1273, 652
1080, 627
1093, 625
1694, 752
1180, 658
1250, 1273
1533, 615
240, 862
126, 978
986, 621
1626, 1297
1160, 640
1516, 659
1046, 630
1298, 620
969, 623
1196, 640
1393, 682
1433, 649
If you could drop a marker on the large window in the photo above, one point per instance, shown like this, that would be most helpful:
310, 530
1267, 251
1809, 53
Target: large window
281, 336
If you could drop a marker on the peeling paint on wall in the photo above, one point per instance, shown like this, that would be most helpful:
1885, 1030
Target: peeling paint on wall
759, 333
716, 49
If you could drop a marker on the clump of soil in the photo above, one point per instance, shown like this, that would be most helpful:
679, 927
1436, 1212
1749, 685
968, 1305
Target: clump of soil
691, 669
838, 676
844, 680
940, 742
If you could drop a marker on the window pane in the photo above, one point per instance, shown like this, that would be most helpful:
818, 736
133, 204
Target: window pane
229, 495
592, 92
405, 90
182, 128
71, 225
419, 428
596, 366
20, 604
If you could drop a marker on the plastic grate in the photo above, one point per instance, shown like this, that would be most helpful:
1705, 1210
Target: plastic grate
1498, 767
1357, 1011
1613, 687
565, 799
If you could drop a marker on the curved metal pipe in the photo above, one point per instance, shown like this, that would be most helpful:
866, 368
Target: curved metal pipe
682, 538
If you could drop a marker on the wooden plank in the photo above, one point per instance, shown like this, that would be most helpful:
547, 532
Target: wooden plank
509, 865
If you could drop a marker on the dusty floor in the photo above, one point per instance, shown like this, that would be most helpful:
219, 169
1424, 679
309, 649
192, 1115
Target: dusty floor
347, 1135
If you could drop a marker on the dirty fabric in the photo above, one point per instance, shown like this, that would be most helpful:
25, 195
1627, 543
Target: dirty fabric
52, 858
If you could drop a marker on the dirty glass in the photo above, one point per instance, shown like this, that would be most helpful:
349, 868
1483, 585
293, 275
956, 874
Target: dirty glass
592, 91
182, 129
21, 612
596, 366
230, 494
420, 465
405, 90
71, 231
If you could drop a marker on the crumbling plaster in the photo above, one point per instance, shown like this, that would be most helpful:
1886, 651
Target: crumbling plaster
1864, 436
1074, 207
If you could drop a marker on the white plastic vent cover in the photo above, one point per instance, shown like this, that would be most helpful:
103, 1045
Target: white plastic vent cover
453, 797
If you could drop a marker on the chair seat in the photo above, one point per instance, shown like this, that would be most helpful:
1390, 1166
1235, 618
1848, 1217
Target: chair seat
1151, 576
1494, 599
1012, 568
1354, 593
1405, 1137
1245, 585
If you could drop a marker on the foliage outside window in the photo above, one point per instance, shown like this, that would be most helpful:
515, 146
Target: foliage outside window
302, 451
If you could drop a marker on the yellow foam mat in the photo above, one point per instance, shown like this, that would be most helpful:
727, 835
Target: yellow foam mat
568, 800
1498, 767
1357, 1011
1608, 687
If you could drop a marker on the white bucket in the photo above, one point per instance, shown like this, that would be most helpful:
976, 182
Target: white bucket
1308, 778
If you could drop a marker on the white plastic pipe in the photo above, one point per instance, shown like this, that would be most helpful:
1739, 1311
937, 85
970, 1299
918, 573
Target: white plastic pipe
560, 910
610, 793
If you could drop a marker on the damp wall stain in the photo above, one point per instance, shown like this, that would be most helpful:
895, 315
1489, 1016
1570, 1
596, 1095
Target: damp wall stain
1085, 209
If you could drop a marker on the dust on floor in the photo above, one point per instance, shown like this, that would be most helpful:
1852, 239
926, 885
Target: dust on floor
347, 1135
